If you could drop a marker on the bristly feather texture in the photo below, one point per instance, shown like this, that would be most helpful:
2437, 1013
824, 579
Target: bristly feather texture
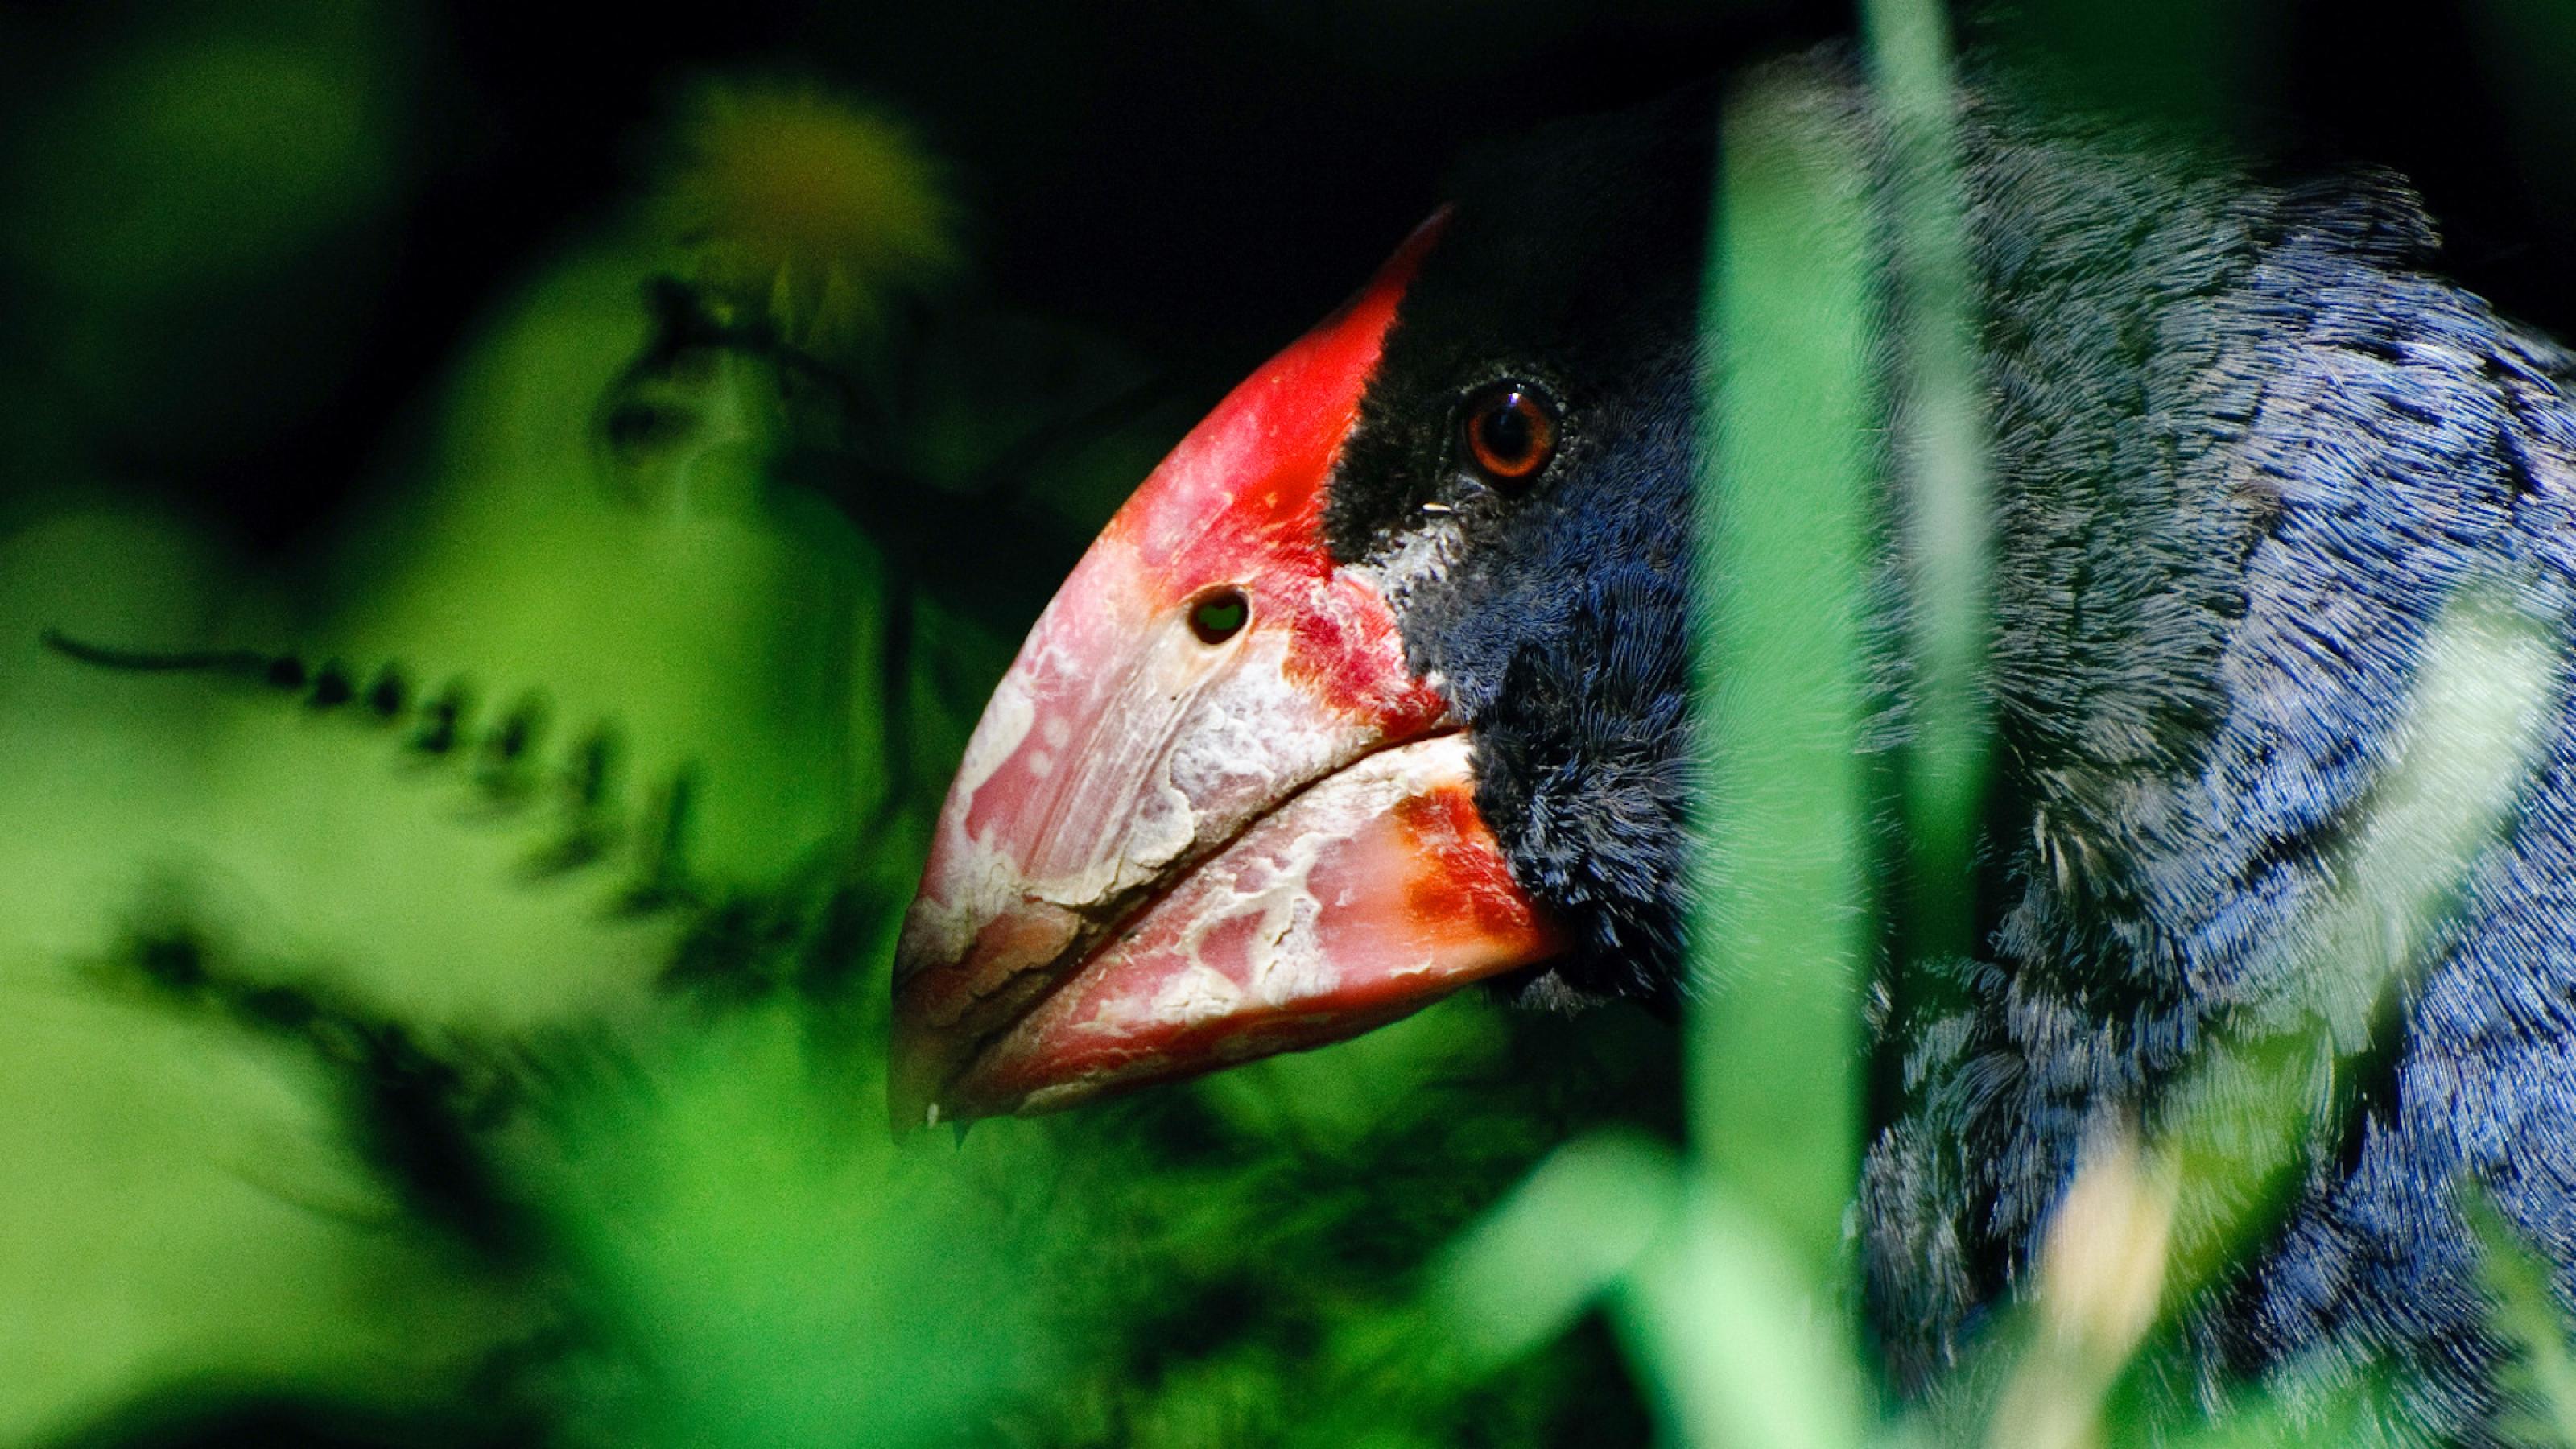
1558, 629
2247, 445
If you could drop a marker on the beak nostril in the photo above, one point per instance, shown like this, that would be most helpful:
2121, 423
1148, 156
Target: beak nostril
1219, 616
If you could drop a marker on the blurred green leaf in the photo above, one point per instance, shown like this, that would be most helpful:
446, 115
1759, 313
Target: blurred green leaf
1724, 1312
2530, 1318
1569, 1235
184, 1211
226, 146
757, 1263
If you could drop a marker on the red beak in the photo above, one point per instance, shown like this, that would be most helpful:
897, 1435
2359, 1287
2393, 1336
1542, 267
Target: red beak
1210, 813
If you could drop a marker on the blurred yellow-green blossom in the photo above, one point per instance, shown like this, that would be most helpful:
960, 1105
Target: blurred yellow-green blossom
803, 208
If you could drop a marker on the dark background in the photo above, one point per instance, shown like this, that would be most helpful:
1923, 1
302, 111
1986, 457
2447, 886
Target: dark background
1204, 178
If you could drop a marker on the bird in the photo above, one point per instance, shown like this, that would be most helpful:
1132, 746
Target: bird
1378, 688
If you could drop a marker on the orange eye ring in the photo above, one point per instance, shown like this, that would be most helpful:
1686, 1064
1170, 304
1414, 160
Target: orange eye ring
1510, 432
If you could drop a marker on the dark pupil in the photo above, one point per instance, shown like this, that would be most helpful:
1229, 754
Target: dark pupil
1509, 435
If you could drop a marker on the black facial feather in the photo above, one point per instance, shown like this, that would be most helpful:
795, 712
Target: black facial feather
1557, 623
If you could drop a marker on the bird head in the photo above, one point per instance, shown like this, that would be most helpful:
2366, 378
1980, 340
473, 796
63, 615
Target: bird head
1374, 690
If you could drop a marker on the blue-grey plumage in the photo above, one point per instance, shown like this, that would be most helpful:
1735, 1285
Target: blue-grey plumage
2249, 445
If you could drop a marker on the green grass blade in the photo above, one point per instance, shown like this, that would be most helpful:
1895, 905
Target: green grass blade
1784, 910
1946, 507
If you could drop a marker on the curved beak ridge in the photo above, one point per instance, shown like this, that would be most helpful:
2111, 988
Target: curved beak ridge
1210, 812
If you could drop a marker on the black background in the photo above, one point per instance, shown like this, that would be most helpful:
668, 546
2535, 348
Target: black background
1203, 177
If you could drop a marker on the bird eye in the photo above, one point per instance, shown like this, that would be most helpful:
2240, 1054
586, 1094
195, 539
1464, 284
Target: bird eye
1219, 616
1511, 432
